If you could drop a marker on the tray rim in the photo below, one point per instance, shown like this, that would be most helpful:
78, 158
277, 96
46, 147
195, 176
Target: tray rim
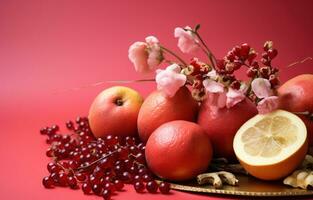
187, 188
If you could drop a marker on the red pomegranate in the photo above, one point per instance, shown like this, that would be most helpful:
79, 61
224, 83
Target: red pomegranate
296, 95
221, 125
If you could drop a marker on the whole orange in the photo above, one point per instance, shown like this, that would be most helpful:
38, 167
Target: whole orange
114, 111
178, 150
158, 109
221, 125
296, 95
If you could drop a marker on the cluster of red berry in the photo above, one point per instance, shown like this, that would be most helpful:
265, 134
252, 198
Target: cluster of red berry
196, 73
237, 57
244, 55
98, 166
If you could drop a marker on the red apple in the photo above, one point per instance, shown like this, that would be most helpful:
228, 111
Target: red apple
296, 95
115, 111
221, 125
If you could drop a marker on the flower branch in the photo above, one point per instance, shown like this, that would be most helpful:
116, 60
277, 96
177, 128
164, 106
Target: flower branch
215, 82
175, 55
208, 51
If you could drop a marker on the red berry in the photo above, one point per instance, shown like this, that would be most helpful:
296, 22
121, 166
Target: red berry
255, 65
264, 71
152, 186
72, 164
146, 178
237, 64
251, 57
97, 189
197, 84
66, 139
56, 138
106, 194
230, 56
105, 163
50, 132
139, 186
118, 185
123, 153
251, 72
93, 180
86, 188
273, 80
137, 178
111, 140
47, 182
98, 172
236, 50
272, 53
130, 140
108, 186
140, 157
43, 131
72, 182
229, 78
54, 177
128, 163
229, 67
265, 55
69, 125
64, 164
55, 128
79, 119
80, 176
244, 50
274, 70
266, 62
142, 171
126, 177
235, 85
164, 187
62, 179
220, 64
52, 167
49, 152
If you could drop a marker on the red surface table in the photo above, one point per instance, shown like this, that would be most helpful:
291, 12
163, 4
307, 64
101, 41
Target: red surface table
47, 47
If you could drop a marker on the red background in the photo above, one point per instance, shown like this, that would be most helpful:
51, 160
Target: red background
49, 46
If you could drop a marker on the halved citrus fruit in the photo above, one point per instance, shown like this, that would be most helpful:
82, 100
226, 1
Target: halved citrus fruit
271, 146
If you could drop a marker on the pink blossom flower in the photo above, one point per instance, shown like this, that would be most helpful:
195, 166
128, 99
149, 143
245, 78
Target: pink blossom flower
234, 97
187, 41
212, 74
213, 86
216, 93
155, 52
261, 87
268, 104
170, 80
145, 55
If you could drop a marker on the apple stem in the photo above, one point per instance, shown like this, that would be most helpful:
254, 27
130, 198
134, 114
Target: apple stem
119, 102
